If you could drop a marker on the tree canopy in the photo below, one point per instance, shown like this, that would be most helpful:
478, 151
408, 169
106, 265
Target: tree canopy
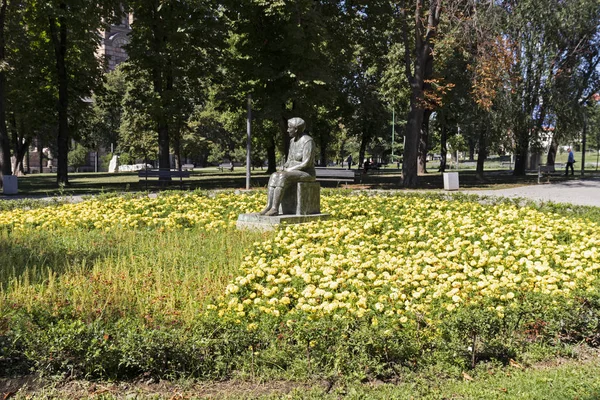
510, 76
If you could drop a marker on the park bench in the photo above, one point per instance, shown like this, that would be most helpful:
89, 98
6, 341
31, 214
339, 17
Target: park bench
228, 166
547, 170
187, 167
336, 175
163, 175
377, 168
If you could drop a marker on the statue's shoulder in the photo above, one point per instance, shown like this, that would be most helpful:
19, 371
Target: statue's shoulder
306, 139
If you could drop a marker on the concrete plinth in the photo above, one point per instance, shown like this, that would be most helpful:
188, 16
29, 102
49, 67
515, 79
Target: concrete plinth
9, 184
451, 180
303, 198
263, 223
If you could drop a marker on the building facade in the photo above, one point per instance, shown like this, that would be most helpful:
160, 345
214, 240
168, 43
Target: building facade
113, 42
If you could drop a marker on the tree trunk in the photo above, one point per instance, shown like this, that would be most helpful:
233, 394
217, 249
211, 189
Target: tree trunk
521, 150
481, 153
285, 144
443, 144
362, 150
20, 151
5, 168
164, 161
471, 149
177, 149
424, 143
40, 155
271, 156
58, 33
552, 151
426, 24
409, 162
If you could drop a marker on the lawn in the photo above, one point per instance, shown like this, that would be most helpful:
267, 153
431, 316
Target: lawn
394, 288
38, 185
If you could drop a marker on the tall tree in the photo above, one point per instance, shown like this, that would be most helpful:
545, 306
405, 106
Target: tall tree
177, 43
5, 167
102, 128
418, 65
548, 40
283, 53
70, 28
31, 92
577, 76
369, 83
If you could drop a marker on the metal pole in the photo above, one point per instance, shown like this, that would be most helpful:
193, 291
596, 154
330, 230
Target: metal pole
393, 128
457, 164
249, 142
583, 141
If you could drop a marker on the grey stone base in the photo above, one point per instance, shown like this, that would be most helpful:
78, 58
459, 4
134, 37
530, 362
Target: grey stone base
303, 198
263, 223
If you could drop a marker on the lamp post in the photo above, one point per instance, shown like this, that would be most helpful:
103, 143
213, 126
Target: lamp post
393, 128
583, 140
249, 141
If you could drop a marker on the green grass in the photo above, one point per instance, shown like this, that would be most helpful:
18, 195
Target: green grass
571, 379
180, 270
210, 179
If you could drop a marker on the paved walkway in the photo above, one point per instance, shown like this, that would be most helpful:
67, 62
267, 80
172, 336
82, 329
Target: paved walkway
581, 192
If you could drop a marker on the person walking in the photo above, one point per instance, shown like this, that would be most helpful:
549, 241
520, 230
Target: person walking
570, 162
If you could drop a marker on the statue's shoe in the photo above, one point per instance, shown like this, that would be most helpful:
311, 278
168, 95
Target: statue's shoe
272, 212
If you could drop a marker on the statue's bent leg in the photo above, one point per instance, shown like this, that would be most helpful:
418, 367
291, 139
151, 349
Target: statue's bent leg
269, 201
276, 201
274, 181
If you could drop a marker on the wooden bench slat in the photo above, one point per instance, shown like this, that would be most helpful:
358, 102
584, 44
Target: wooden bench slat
331, 174
147, 173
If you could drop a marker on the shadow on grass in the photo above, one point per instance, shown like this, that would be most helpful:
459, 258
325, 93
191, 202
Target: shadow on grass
35, 254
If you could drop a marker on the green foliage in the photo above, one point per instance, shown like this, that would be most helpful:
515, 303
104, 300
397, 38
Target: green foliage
213, 348
103, 125
138, 129
175, 47
78, 156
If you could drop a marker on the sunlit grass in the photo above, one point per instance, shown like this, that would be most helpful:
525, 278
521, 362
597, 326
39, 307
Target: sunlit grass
150, 275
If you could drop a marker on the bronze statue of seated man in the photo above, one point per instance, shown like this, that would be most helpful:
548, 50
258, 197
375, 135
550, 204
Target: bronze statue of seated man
299, 167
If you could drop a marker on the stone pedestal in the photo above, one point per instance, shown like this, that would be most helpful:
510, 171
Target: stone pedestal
263, 223
9, 184
451, 180
303, 198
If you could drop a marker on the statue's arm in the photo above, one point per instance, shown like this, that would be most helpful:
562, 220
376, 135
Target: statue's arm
287, 161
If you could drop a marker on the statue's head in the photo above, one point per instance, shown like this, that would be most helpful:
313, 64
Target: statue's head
296, 126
